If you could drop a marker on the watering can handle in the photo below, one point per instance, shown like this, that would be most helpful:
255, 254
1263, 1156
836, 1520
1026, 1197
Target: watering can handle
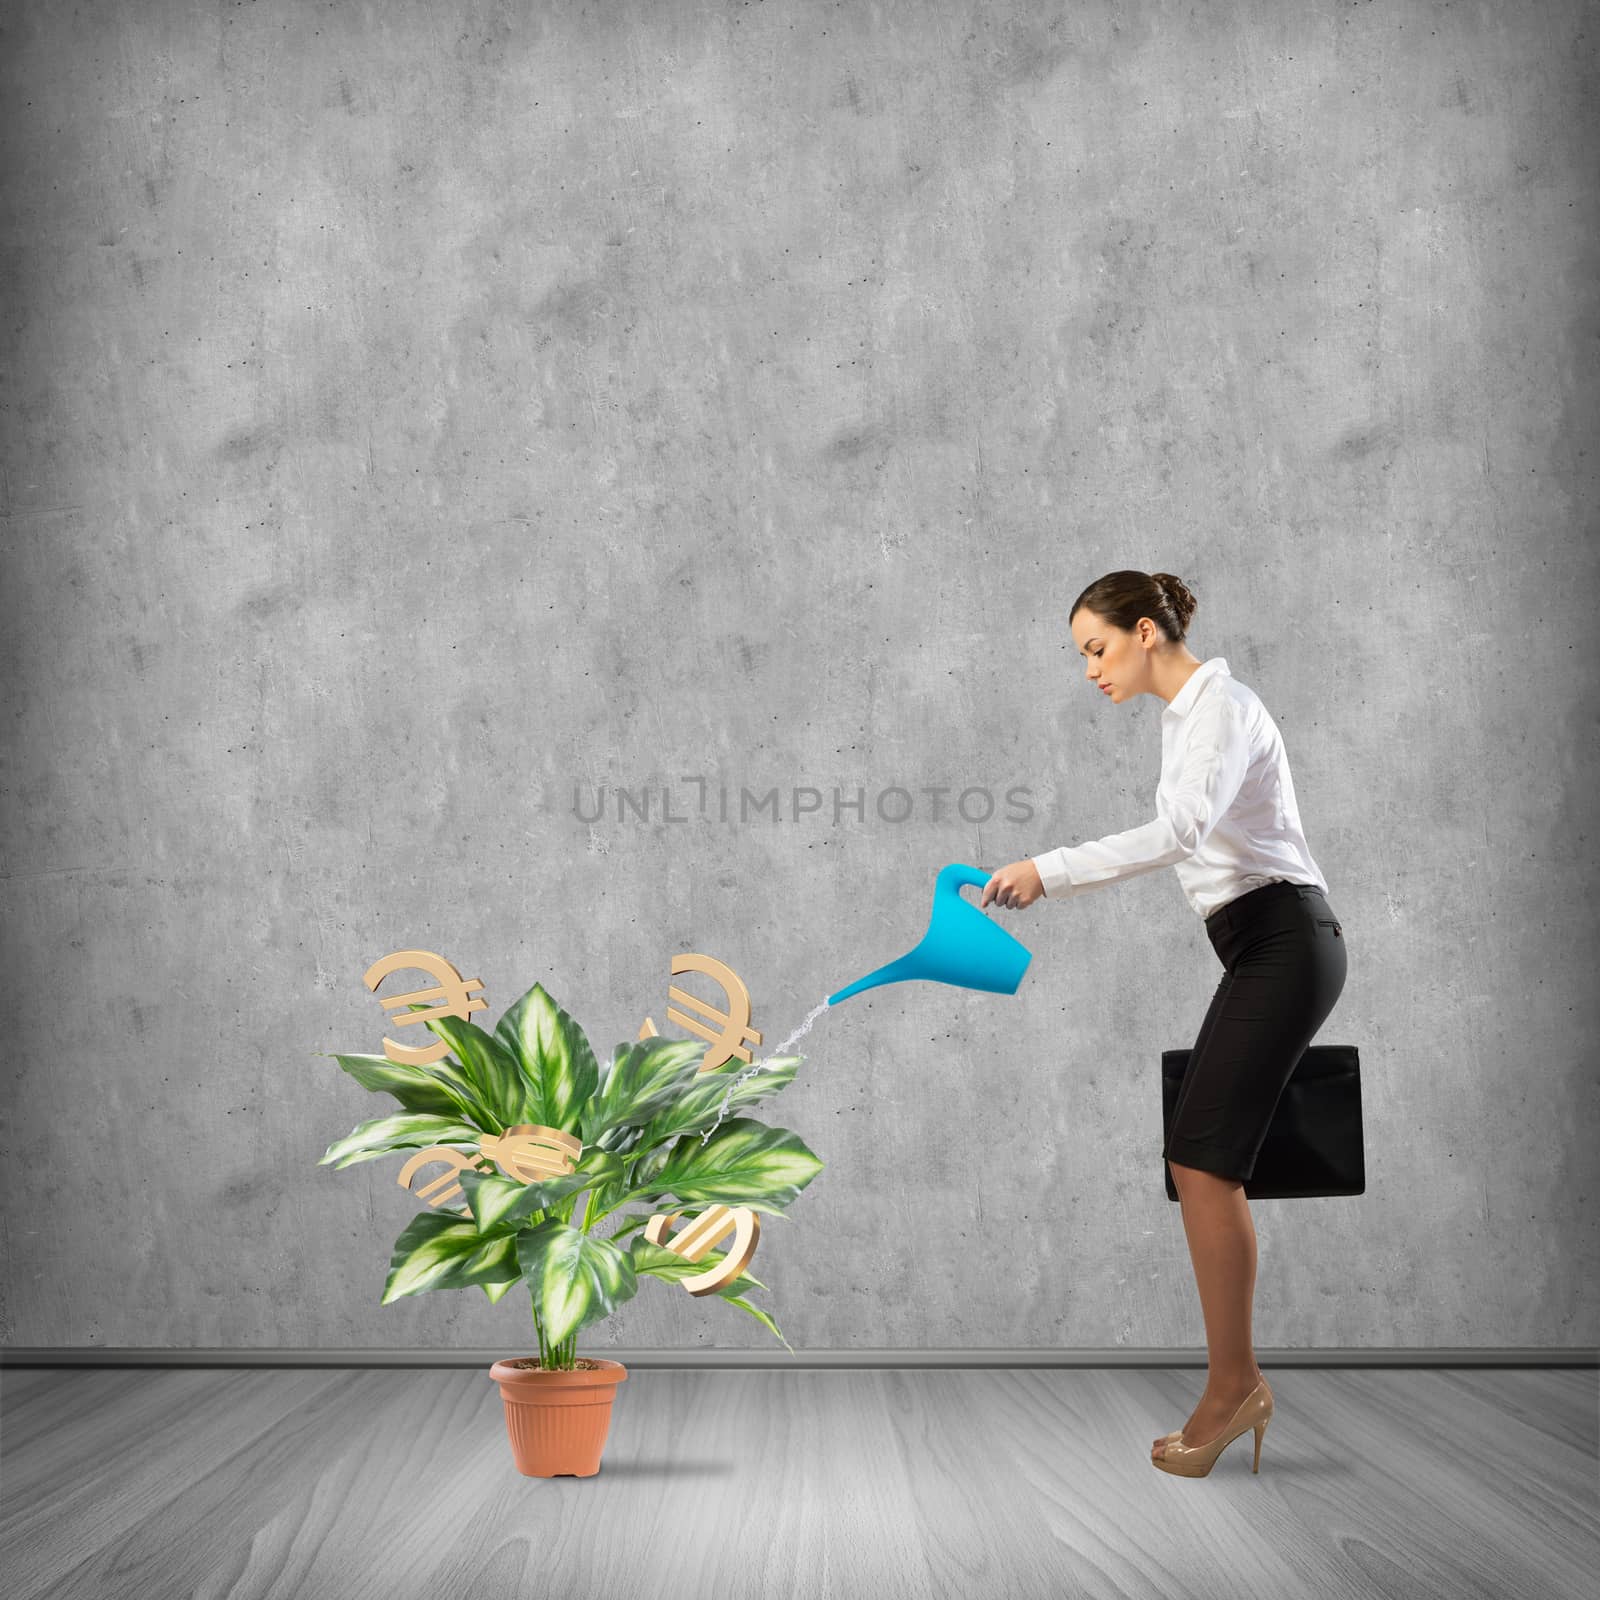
957, 876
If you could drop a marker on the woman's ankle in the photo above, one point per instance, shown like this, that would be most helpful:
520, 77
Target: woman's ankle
1232, 1382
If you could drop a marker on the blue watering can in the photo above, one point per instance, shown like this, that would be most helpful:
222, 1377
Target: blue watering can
962, 946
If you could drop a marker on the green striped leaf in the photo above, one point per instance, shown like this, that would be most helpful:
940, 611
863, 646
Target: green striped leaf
409, 1130
497, 1201
450, 1074
556, 1064
755, 1311
574, 1278
442, 1252
699, 1101
489, 1068
645, 1076
659, 1262
662, 1263
416, 1088
744, 1163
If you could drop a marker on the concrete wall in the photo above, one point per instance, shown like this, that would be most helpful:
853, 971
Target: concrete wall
418, 412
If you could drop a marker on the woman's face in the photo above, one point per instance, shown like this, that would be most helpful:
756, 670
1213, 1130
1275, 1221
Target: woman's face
1115, 662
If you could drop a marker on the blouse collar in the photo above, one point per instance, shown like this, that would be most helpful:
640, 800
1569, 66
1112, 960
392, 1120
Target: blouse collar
1184, 699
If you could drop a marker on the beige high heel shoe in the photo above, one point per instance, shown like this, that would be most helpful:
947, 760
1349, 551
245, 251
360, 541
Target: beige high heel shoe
1196, 1460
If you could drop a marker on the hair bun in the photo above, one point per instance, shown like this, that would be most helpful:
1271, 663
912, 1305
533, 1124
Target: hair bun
1177, 591
1126, 597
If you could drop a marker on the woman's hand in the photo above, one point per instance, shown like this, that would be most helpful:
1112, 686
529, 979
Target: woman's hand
1015, 887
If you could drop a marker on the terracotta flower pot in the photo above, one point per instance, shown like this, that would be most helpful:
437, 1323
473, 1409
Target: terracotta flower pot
558, 1421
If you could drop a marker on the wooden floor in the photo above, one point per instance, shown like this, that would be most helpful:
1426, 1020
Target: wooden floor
740, 1485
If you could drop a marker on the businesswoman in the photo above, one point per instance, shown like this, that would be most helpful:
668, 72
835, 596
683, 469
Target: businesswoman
1227, 822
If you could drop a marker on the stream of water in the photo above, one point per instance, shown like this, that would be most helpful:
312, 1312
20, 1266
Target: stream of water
756, 1066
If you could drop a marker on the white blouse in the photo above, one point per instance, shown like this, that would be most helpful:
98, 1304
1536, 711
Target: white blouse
1226, 817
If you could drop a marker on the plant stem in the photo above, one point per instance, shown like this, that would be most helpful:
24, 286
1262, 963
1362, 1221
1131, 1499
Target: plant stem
554, 1357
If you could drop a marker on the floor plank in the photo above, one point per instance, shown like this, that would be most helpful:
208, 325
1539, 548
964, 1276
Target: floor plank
262, 1484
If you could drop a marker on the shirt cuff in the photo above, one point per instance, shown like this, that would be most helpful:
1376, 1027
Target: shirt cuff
1053, 874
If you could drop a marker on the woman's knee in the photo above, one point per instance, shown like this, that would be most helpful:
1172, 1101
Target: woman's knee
1200, 1178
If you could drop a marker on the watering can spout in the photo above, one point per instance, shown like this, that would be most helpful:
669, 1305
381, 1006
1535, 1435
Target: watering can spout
895, 972
961, 947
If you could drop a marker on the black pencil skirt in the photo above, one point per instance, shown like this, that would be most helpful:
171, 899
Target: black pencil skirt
1282, 948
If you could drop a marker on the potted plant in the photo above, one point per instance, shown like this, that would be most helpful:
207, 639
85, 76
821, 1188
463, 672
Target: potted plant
639, 1125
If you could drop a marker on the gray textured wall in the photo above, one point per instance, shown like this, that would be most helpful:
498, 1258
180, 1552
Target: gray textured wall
416, 411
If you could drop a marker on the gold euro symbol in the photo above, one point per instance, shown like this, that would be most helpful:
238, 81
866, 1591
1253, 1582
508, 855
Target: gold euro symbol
528, 1152
452, 989
696, 1239
443, 1189
734, 1026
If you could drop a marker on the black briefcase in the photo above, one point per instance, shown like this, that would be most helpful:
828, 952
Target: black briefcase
1313, 1146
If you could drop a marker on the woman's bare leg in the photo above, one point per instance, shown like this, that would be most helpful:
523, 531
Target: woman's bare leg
1222, 1244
